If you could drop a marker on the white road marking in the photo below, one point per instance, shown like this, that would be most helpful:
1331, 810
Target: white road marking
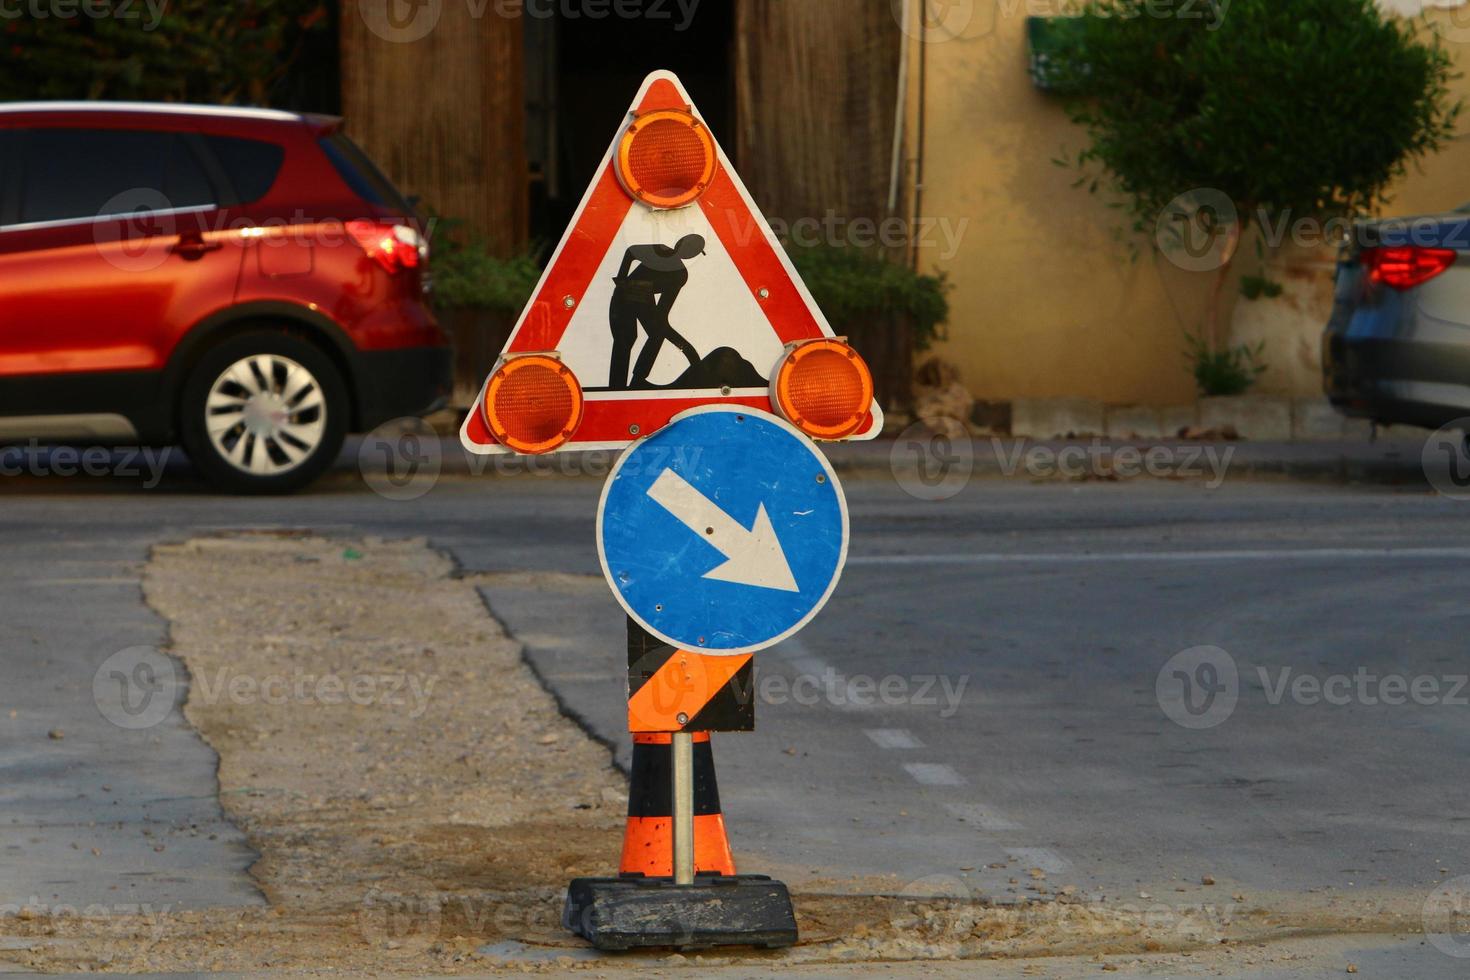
830, 683
814, 666
979, 815
1088, 558
893, 738
934, 774
753, 555
982, 816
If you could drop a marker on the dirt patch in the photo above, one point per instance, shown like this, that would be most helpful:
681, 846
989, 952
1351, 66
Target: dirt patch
414, 794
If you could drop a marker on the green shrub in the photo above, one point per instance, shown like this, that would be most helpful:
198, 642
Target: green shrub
467, 276
1258, 287
848, 284
182, 51
851, 284
1308, 108
1290, 109
1224, 372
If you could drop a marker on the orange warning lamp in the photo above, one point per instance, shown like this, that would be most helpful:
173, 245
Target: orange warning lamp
533, 403
666, 158
823, 388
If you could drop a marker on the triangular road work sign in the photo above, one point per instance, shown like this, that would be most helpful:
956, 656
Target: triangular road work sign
657, 310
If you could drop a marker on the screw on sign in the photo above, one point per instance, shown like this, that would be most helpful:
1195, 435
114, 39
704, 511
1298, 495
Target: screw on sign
670, 320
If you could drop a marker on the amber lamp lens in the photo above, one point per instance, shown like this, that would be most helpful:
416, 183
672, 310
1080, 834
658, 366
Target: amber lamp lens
666, 159
533, 404
824, 388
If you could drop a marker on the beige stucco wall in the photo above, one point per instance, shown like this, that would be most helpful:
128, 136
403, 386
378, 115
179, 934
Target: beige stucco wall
1047, 300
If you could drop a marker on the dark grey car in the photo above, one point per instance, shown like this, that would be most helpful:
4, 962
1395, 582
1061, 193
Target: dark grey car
1397, 349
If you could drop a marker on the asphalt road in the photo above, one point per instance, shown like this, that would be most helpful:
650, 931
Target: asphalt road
1151, 691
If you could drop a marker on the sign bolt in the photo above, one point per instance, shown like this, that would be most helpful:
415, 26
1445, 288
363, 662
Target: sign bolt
682, 718
568, 302
764, 293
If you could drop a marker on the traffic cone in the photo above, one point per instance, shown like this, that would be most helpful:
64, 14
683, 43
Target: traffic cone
648, 842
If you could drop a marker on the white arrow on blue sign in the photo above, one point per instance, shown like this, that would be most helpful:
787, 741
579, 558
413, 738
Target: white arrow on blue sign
724, 532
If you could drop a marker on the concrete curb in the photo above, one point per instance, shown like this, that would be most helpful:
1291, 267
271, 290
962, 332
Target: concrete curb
1263, 418
1396, 462
994, 457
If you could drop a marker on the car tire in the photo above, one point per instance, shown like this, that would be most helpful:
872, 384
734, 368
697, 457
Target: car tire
263, 412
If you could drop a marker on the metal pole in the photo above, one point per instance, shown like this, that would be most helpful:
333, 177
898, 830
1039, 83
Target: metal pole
683, 808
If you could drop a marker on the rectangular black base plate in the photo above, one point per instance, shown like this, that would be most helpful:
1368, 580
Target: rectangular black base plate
717, 910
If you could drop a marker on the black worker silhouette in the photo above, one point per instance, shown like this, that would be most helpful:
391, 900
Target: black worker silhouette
644, 296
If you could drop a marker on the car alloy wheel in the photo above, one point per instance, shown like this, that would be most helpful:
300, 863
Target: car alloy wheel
266, 414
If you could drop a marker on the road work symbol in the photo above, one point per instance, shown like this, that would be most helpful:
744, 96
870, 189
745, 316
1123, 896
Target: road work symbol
725, 532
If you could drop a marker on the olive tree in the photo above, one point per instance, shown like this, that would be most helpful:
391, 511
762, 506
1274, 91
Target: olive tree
177, 51
1225, 112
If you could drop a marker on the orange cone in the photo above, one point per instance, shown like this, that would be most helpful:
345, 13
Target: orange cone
648, 842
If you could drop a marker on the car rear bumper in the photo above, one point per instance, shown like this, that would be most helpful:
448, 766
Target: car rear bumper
1397, 380
410, 381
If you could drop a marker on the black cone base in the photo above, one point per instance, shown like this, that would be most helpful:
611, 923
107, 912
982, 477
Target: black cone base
717, 910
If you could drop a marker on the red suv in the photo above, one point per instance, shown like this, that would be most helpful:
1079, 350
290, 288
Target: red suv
244, 282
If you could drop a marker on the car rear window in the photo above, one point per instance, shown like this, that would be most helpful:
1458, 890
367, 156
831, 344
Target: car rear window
71, 174
361, 174
250, 165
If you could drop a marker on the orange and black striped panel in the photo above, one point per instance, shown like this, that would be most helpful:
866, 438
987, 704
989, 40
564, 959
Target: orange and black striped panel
673, 690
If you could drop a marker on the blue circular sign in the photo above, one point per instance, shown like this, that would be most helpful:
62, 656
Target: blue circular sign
724, 532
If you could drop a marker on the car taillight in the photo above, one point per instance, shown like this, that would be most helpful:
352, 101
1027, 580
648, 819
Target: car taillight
1405, 266
393, 246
